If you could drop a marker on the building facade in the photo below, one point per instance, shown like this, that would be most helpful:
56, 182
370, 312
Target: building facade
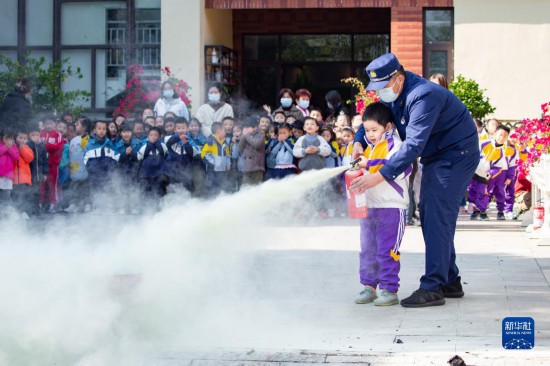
264, 45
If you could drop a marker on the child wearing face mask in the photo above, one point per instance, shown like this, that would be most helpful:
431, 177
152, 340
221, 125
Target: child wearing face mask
170, 102
215, 110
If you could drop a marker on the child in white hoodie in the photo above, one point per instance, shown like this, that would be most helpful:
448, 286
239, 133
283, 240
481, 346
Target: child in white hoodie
381, 232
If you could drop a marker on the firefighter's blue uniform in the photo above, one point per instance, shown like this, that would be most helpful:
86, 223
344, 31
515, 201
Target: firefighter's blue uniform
436, 126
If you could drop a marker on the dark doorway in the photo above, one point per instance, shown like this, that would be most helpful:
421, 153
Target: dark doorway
315, 62
306, 48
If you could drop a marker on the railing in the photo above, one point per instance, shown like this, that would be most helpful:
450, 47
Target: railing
148, 32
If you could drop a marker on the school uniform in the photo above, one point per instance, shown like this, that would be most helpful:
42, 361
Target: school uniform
177, 166
346, 154
217, 158
500, 164
280, 160
151, 157
510, 191
382, 230
311, 161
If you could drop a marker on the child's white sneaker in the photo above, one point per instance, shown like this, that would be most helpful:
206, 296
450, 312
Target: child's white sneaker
386, 298
71, 209
366, 296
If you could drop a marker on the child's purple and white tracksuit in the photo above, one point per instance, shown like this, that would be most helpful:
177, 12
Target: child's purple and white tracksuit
499, 171
382, 231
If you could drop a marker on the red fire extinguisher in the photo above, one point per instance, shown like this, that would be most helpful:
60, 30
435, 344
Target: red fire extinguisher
357, 203
538, 217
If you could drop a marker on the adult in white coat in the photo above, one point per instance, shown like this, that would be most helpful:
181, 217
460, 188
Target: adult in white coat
170, 101
214, 110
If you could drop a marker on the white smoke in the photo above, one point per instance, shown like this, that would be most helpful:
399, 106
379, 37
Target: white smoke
91, 289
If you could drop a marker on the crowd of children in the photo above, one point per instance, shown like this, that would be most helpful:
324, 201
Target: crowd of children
61, 165
497, 172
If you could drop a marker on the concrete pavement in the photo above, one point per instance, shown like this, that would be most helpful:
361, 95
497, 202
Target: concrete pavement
302, 310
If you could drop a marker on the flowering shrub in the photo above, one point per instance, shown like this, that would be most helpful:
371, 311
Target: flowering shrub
364, 97
535, 133
141, 93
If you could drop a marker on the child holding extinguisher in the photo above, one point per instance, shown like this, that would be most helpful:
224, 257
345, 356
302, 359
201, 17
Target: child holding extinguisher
381, 232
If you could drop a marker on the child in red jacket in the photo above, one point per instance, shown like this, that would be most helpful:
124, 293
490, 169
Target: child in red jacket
8, 157
54, 143
22, 178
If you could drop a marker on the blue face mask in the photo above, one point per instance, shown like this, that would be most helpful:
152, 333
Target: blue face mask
214, 97
388, 95
304, 104
286, 102
168, 93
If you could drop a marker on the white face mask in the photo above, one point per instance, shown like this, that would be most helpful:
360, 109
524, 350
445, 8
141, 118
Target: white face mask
214, 97
387, 95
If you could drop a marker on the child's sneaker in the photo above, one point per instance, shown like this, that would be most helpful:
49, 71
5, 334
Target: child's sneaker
52, 209
386, 298
483, 216
323, 214
475, 215
71, 209
366, 296
500, 216
509, 215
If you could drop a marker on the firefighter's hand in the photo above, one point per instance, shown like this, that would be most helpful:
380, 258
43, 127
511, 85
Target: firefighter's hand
364, 182
357, 150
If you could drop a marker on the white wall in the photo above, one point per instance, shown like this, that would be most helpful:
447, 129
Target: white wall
505, 46
186, 27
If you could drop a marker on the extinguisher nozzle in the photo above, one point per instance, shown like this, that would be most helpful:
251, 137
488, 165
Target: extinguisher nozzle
355, 162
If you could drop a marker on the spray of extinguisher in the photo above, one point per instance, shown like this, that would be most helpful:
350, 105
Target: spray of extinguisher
357, 203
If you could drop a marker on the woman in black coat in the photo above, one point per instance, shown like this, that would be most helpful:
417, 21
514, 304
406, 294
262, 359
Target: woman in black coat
15, 111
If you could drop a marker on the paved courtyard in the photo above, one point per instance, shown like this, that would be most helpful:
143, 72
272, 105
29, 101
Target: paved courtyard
302, 312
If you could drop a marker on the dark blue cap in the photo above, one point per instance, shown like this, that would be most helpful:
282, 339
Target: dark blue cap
380, 71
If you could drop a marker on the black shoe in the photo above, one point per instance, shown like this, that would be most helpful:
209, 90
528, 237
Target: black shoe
483, 216
475, 215
453, 290
500, 216
422, 298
